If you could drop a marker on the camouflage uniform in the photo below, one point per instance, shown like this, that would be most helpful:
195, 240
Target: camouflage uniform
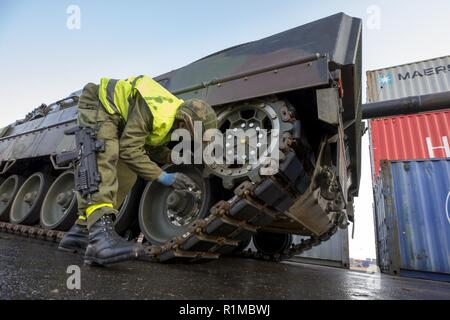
124, 157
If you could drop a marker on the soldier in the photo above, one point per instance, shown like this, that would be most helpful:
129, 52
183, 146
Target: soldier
134, 118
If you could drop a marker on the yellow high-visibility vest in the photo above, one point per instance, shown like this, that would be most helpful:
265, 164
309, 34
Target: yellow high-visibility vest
116, 97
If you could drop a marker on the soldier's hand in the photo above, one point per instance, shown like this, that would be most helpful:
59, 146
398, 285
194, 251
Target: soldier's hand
183, 182
177, 181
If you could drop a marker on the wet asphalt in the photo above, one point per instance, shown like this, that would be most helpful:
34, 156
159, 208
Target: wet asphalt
34, 269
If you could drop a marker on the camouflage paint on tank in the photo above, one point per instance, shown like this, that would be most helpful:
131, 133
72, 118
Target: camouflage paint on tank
337, 36
39, 137
243, 72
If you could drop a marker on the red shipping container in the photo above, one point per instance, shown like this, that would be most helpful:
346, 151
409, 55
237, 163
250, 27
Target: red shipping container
412, 137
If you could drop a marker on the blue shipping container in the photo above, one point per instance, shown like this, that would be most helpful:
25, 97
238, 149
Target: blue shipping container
412, 217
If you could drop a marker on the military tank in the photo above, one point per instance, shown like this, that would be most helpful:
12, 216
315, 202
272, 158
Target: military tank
302, 86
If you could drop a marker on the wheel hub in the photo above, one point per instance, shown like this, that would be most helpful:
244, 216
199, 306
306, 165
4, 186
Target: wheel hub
30, 198
165, 213
64, 199
59, 208
5, 198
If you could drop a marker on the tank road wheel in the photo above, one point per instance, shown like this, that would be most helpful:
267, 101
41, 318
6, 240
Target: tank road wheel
166, 213
127, 218
8, 191
271, 244
59, 209
255, 118
26, 207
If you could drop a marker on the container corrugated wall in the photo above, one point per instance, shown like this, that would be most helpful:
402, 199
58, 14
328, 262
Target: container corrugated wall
411, 137
334, 252
412, 216
423, 77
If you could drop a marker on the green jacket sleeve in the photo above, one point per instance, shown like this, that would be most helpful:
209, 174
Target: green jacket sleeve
160, 154
132, 142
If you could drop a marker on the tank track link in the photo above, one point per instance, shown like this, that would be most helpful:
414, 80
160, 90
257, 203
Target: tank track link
32, 232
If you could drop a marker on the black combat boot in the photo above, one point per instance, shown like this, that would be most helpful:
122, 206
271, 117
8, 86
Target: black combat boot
106, 246
75, 240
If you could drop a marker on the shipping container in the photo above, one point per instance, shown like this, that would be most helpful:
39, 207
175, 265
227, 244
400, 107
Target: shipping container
411, 137
418, 78
412, 218
333, 253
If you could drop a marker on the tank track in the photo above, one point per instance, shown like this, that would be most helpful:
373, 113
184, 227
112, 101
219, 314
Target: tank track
220, 233
233, 221
32, 232
254, 205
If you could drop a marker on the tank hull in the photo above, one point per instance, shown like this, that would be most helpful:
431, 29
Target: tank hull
305, 81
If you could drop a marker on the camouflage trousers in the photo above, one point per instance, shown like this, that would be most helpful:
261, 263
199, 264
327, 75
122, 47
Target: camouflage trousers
116, 178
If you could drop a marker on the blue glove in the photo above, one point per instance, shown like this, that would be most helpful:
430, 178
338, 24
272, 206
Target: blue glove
167, 179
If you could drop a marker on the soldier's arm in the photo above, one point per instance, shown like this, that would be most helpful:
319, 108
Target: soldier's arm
160, 154
132, 142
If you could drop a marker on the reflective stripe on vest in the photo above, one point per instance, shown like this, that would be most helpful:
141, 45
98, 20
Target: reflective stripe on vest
117, 95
